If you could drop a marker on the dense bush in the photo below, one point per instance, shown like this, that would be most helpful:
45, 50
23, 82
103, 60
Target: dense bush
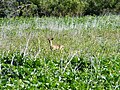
57, 7
13, 8
102, 6
60, 7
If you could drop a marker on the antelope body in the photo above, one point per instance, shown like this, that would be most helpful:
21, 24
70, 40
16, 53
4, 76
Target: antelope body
54, 47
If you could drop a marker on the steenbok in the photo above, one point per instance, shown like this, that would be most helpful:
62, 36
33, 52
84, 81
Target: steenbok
54, 47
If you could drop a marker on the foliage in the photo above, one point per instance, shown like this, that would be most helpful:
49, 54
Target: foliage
12, 8
98, 7
89, 60
27, 8
61, 7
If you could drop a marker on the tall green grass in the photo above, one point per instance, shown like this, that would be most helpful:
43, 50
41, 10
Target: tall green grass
90, 59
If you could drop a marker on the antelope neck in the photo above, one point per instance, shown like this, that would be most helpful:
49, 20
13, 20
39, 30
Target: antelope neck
50, 43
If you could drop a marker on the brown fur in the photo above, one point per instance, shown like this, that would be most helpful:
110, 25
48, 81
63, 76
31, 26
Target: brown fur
54, 47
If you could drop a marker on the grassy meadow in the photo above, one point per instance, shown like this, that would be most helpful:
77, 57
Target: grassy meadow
90, 59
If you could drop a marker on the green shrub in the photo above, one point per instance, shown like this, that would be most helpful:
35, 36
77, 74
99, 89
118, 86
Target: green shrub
12, 8
98, 7
60, 7
27, 8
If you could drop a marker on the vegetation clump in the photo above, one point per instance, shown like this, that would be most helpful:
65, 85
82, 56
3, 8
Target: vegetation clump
59, 8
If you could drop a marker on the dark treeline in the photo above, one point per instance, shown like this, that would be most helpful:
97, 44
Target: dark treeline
27, 8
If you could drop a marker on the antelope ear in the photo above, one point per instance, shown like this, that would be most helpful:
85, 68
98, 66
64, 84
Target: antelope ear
52, 38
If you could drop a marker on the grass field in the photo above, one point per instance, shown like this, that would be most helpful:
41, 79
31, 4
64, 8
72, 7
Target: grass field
90, 59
